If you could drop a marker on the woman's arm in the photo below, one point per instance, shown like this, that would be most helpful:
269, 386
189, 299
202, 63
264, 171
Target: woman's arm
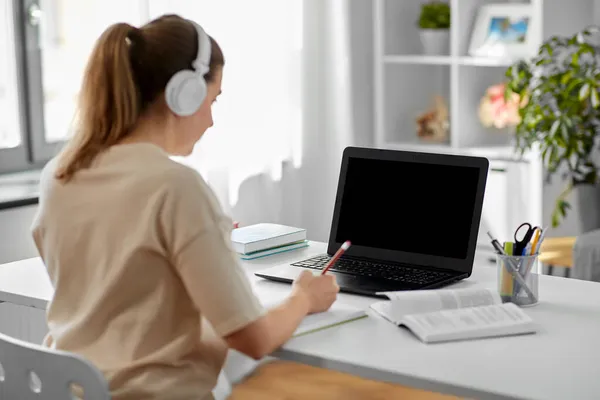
197, 237
309, 294
266, 334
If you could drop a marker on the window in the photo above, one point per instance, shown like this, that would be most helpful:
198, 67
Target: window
68, 34
10, 136
45, 44
12, 151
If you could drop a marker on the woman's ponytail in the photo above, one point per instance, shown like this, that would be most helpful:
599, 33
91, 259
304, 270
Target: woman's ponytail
109, 101
126, 74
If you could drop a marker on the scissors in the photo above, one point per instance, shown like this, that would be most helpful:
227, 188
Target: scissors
521, 244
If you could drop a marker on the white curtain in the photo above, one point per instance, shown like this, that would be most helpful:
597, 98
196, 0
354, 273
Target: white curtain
286, 111
258, 122
331, 106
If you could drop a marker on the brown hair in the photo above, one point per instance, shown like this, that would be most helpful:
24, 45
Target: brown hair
126, 73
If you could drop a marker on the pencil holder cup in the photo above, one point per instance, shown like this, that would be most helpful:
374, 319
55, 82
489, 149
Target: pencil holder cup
518, 279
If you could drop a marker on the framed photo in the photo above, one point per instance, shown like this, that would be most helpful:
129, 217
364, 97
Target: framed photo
505, 31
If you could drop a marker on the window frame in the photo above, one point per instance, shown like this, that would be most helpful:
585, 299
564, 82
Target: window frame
40, 150
16, 158
33, 151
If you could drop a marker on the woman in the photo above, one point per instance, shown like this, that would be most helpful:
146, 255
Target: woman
147, 286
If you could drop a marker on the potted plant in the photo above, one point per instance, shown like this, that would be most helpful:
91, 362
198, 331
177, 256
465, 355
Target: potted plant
560, 116
434, 27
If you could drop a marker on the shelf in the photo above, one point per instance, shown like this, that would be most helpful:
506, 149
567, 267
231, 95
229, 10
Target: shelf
420, 146
493, 153
418, 59
411, 91
485, 62
447, 60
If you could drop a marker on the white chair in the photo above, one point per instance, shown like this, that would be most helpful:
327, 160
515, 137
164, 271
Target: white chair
29, 371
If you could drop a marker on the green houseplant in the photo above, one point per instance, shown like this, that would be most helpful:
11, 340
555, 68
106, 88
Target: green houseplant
434, 25
560, 115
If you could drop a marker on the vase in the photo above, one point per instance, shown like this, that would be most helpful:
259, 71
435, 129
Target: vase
435, 42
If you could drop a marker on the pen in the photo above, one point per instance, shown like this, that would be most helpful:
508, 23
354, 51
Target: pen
513, 269
337, 255
535, 241
540, 240
496, 244
536, 250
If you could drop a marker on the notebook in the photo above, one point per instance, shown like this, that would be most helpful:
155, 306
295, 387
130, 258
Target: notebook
460, 314
275, 250
337, 314
263, 236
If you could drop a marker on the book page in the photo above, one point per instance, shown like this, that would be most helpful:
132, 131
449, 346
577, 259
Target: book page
465, 323
422, 301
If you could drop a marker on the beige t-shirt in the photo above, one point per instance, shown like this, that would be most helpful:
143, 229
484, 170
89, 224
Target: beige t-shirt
146, 282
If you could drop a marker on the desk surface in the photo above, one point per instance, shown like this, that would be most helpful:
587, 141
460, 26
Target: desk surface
560, 362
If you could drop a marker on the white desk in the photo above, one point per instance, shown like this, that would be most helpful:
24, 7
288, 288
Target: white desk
560, 362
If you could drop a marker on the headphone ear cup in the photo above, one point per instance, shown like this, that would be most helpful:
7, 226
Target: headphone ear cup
185, 93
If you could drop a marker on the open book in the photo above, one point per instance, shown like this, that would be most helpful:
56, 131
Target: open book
445, 315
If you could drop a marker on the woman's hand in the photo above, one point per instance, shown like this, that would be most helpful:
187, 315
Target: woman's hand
310, 294
320, 290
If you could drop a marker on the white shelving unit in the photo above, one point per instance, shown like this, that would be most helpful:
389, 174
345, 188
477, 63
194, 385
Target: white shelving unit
407, 81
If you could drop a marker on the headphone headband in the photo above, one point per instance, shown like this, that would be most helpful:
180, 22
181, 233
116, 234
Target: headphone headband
186, 90
202, 62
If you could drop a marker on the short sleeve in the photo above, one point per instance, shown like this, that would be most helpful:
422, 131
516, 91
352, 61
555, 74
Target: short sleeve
198, 237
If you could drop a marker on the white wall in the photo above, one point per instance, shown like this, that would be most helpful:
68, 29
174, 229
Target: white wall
15, 237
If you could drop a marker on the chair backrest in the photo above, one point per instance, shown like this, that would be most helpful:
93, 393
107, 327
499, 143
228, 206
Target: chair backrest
29, 371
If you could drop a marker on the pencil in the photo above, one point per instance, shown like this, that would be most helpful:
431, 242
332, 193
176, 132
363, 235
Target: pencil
535, 242
337, 255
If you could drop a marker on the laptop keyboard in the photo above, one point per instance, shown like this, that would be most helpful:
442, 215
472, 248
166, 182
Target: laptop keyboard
392, 272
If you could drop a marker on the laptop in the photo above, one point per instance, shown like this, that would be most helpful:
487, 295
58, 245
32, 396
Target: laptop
413, 220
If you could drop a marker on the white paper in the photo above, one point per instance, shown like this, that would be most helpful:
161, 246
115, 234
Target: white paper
337, 313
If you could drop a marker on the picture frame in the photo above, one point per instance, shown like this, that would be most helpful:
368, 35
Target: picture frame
506, 30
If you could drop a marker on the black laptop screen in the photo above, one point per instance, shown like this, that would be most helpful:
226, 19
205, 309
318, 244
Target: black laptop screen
411, 207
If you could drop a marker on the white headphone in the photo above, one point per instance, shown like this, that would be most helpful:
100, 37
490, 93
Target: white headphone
186, 90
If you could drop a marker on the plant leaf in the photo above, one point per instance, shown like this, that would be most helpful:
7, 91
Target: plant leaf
595, 98
566, 77
554, 127
584, 92
573, 84
555, 217
565, 133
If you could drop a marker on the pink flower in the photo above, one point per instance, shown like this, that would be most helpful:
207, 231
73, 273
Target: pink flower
494, 111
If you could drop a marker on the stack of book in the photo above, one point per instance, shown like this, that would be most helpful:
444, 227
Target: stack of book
264, 239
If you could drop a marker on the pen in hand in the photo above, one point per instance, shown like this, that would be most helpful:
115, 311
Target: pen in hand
336, 256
